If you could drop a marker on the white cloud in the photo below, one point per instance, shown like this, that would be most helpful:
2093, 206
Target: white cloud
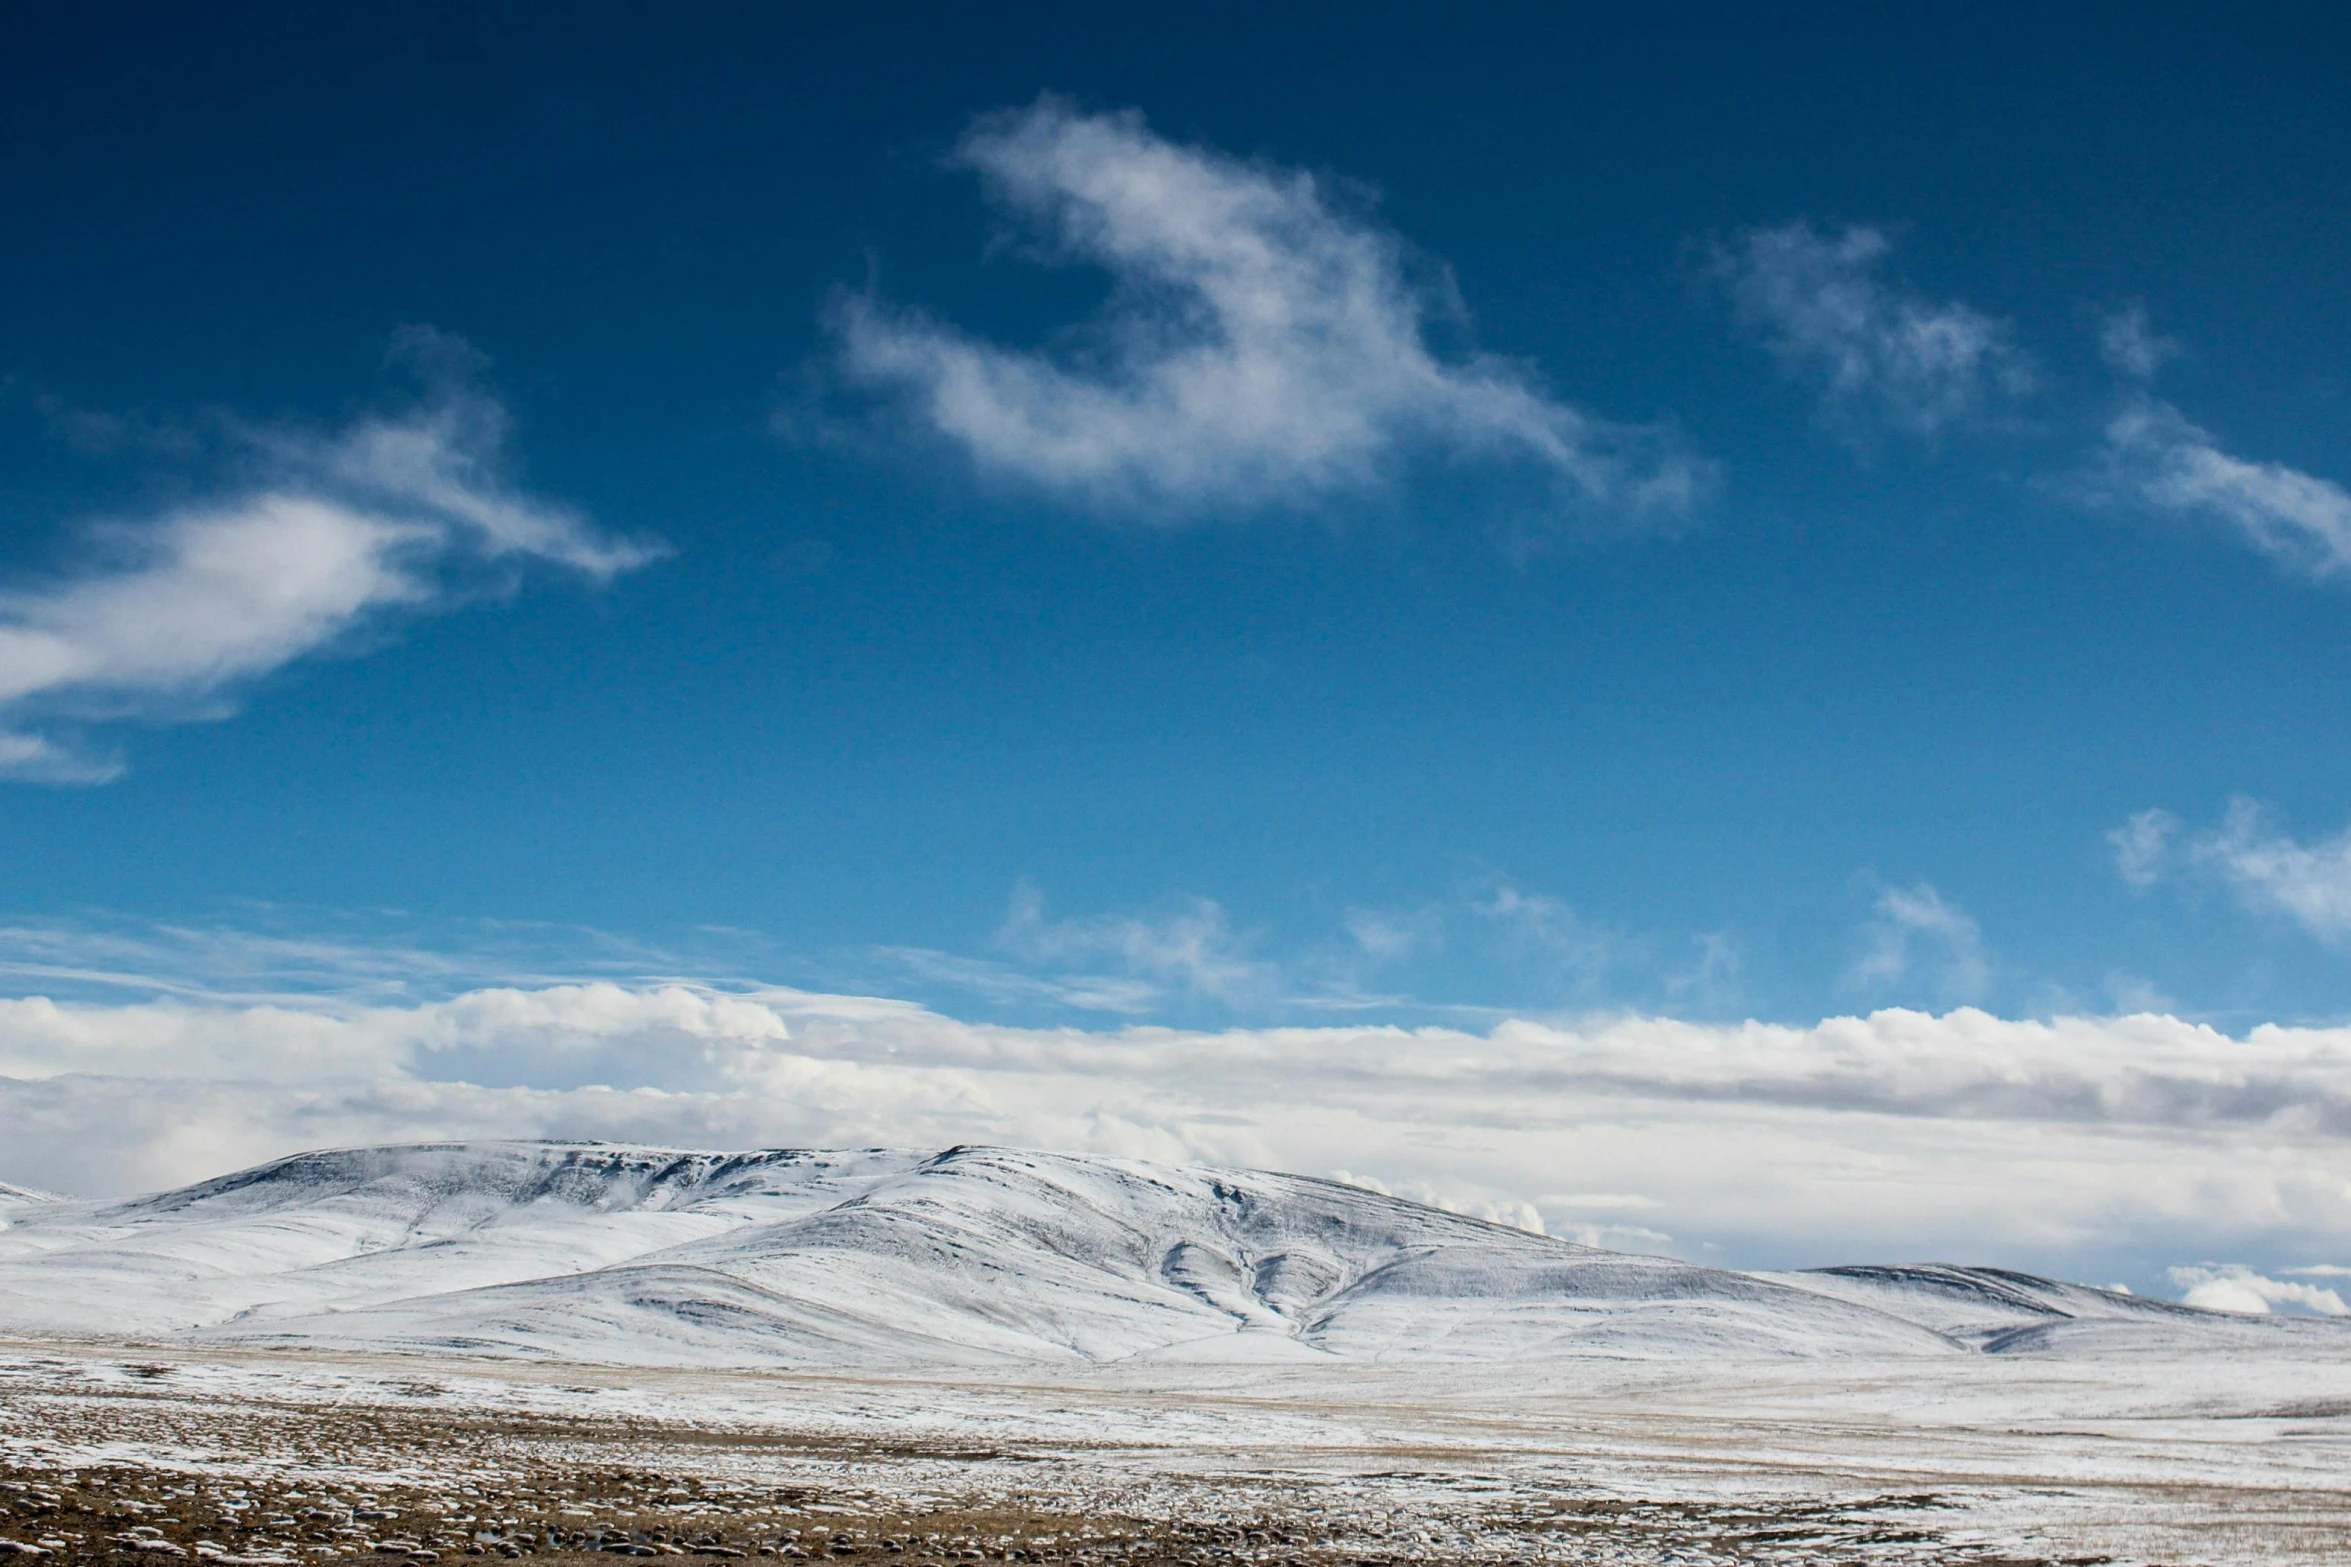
1262, 345
1569, 1215
1891, 358
1518, 1215
1616, 1237
1601, 1202
2234, 1287
338, 532
1919, 934
2105, 1142
441, 464
2155, 457
207, 598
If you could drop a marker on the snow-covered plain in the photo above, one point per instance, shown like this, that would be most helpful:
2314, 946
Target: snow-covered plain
591, 1252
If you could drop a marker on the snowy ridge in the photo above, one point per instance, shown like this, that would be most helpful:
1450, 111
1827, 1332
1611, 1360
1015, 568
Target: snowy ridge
2001, 1312
648, 1256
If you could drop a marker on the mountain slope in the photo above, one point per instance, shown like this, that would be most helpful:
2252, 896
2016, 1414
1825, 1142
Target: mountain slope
973, 1255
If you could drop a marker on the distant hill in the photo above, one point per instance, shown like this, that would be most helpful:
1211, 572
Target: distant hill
651, 1256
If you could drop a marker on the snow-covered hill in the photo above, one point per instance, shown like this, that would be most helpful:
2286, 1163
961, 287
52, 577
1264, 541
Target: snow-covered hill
652, 1256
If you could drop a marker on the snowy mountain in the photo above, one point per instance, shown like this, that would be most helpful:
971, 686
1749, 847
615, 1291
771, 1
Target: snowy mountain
648, 1256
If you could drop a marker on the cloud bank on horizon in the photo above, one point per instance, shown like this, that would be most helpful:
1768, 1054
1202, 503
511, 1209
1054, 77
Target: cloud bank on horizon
1263, 345
2119, 1143
333, 534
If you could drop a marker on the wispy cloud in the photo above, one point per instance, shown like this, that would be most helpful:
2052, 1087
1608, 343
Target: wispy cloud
2143, 844
1577, 950
1918, 935
2308, 882
1264, 345
304, 958
1193, 949
2269, 869
2154, 456
170, 615
2132, 347
1187, 955
1889, 358
1389, 936
1712, 980
1003, 983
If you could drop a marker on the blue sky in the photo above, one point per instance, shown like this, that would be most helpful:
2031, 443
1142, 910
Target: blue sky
1207, 518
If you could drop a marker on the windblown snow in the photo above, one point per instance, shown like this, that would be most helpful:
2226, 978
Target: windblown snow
647, 1256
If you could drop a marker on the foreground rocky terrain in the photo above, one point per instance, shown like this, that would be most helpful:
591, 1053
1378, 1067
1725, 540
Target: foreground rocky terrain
249, 1458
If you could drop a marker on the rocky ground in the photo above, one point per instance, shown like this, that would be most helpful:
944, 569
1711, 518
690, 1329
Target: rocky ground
122, 1458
